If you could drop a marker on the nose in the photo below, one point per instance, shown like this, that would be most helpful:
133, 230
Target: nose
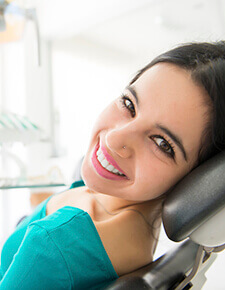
123, 140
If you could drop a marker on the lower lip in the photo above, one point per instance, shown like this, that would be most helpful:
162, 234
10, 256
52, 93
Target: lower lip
101, 170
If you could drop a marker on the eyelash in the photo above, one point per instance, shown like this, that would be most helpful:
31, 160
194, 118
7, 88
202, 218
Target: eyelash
123, 98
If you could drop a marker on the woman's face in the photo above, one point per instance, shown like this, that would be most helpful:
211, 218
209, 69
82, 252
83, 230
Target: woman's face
159, 119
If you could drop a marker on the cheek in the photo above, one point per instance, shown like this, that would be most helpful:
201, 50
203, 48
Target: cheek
155, 178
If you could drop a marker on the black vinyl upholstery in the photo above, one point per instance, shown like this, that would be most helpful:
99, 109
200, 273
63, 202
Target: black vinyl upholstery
195, 199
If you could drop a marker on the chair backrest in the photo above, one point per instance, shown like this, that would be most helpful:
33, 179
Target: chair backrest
196, 206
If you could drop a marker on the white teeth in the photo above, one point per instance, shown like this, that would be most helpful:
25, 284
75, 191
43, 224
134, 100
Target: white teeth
101, 158
110, 167
104, 163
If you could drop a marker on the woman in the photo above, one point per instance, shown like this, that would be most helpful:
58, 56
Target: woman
169, 119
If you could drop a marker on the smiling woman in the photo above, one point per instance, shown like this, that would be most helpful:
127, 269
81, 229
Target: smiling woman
160, 122
168, 120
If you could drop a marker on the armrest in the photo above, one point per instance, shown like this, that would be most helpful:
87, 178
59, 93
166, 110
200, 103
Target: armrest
163, 273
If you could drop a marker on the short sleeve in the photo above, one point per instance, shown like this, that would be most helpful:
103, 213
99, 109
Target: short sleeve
38, 264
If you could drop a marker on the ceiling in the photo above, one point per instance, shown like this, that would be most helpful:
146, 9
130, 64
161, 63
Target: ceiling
135, 27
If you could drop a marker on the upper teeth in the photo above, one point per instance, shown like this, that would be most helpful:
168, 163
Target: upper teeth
108, 166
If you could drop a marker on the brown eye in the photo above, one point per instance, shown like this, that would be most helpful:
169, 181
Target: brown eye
127, 104
164, 145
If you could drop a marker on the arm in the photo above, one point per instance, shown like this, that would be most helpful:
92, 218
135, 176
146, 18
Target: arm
38, 264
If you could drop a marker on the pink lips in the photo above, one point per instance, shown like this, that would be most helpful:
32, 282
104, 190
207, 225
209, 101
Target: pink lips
110, 159
101, 170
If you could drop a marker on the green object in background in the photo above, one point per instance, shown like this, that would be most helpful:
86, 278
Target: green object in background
16, 128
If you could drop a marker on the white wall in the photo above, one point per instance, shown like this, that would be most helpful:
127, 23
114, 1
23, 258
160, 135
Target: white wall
86, 78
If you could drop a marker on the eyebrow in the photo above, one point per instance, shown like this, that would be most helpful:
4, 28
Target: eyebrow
173, 136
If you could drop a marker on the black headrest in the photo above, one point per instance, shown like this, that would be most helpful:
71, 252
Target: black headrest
195, 198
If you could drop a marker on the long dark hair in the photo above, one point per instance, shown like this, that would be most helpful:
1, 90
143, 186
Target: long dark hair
206, 64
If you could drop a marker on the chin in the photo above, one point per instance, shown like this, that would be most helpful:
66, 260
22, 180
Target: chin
95, 182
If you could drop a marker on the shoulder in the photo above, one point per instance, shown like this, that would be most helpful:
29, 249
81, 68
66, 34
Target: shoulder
59, 219
37, 239
127, 241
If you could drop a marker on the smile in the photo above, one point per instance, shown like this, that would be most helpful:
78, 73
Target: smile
105, 165
108, 166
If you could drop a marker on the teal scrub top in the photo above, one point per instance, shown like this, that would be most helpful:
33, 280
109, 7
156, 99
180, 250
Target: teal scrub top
59, 251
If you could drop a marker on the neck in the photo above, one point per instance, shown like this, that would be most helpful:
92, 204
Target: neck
113, 205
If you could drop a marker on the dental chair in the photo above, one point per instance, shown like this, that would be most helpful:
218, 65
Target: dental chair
193, 215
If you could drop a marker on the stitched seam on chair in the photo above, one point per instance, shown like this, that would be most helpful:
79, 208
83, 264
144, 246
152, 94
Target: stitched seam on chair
70, 275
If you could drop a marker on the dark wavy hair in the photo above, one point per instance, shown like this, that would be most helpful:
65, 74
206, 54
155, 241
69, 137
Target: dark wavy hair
206, 64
